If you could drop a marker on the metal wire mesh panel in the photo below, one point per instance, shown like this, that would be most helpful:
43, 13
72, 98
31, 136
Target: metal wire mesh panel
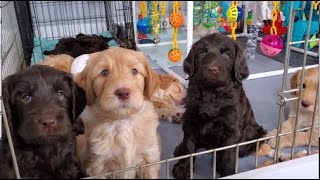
53, 20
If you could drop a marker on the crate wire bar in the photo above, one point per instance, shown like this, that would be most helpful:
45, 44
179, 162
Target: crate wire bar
281, 103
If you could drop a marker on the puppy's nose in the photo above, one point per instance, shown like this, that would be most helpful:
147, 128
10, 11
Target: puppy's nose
213, 69
305, 104
123, 93
49, 122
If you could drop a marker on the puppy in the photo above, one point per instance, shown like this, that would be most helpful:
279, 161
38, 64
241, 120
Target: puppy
308, 100
167, 97
218, 112
81, 44
60, 62
42, 106
120, 121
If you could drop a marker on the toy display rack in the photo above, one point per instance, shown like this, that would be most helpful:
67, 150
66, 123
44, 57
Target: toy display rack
190, 39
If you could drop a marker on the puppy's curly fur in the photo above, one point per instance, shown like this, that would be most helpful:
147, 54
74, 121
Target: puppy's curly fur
42, 106
81, 44
120, 121
218, 112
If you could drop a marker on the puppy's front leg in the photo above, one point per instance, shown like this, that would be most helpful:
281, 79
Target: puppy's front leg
181, 170
151, 155
227, 158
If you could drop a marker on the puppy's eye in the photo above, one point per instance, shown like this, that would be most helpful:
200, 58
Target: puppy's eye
105, 72
26, 98
59, 93
225, 54
304, 86
134, 71
202, 54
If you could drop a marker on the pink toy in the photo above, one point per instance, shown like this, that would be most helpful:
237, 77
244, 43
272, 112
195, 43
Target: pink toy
271, 45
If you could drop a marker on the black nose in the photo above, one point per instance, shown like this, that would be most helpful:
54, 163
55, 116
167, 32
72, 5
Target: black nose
305, 104
49, 122
213, 69
123, 93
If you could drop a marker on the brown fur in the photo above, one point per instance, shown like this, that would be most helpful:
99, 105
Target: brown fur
167, 96
119, 134
60, 62
306, 114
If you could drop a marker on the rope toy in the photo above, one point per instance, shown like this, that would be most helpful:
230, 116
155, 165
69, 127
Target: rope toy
163, 13
176, 20
271, 45
234, 14
156, 40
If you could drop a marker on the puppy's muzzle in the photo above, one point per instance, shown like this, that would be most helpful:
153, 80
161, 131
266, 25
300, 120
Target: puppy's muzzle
213, 70
122, 93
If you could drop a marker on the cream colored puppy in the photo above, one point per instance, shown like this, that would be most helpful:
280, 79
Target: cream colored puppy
121, 123
308, 100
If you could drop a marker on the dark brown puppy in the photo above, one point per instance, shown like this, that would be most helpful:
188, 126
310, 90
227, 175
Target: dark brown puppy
42, 106
81, 44
218, 112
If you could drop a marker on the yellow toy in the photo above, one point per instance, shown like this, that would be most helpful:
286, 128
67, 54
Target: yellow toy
233, 15
163, 13
155, 21
176, 20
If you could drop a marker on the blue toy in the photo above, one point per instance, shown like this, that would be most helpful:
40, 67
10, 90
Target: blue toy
300, 26
225, 6
143, 25
300, 30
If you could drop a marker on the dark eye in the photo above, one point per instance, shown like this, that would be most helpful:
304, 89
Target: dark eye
26, 98
304, 86
134, 71
202, 54
105, 72
59, 93
225, 54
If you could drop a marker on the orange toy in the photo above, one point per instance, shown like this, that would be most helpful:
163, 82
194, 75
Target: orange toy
175, 55
176, 19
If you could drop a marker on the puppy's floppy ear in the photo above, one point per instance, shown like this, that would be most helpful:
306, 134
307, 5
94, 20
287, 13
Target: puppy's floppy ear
83, 80
189, 63
8, 106
241, 70
294, 81
78, 103
152, 78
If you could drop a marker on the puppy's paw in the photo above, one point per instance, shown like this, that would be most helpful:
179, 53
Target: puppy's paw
180, 171
272, 133
282, 143
177, 118
172, 115
272, 142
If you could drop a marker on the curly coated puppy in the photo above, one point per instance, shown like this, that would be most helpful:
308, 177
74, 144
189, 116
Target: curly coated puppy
306, 115
81, 44
121, 122
218, 112
42, 106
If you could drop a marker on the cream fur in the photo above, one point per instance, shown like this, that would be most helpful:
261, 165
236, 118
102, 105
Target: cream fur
119, 134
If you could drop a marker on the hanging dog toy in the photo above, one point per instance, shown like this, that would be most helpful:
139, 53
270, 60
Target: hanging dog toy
155, 22
143, 21
271, 45
234, 14
163, 14
176, 20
